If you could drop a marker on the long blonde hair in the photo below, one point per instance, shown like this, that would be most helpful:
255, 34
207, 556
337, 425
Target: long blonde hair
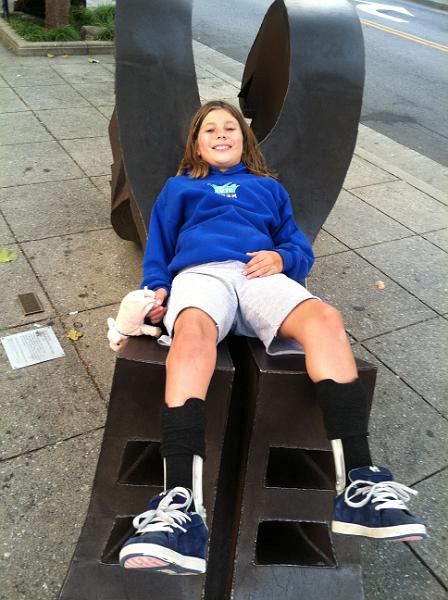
251, 157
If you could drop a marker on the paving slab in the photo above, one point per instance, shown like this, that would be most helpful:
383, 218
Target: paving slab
391, 571
93, 155
10, 102
93, 347
107, 110
363, 173
406, 204
103, 184
421, 169
216, 89
326, 244
439, 238
406, 433
98, 94
83, 73
51, 96
30, 75
75, 205
372, 226
69, 123
33, 163
348, 282
6, 235
36, 414
21, 128
86, 270
417, 265
3, 83
44, 499
17, 277
431, 502
418, 355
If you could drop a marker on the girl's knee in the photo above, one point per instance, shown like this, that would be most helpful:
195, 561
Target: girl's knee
326, 318
195, 325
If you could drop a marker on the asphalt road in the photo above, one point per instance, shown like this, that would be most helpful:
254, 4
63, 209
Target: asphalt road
406, 91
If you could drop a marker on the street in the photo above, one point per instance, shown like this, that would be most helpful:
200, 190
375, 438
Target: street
406, 88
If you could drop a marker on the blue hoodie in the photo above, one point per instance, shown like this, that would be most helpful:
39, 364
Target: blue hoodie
221, 217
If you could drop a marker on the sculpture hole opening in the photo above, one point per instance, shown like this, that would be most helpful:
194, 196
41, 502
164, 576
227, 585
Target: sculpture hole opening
294, 543
141, 464
300, 468
122, 530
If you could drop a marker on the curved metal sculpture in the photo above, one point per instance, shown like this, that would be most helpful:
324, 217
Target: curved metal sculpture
302, 86
156, 96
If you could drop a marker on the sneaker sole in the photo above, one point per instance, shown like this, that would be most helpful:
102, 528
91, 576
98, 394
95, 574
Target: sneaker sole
403, 533
175, 563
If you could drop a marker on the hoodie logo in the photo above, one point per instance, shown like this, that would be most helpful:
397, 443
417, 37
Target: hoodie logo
228, 189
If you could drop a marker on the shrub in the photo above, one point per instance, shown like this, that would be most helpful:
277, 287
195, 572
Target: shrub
63, 33
102, 16
29, 30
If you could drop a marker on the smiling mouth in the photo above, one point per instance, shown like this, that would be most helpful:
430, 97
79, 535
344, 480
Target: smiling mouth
221, 147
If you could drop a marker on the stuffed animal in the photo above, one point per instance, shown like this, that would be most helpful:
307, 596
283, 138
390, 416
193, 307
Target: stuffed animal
130, 318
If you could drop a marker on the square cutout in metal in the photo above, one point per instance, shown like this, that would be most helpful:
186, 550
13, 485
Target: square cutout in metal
142, 464
300, 468
121, 531
294, 543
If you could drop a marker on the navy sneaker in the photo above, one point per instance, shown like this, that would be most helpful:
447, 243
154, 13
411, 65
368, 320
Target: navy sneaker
373, 506
169, 538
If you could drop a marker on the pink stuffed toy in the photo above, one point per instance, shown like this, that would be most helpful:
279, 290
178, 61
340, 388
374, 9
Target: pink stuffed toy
130, 319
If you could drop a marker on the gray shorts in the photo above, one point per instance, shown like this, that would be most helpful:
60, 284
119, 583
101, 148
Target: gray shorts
250, 307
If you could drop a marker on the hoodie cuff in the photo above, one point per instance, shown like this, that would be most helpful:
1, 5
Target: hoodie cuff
156, 285
287, 259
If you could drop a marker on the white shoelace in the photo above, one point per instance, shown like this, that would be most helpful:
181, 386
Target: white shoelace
166, 516
386, 494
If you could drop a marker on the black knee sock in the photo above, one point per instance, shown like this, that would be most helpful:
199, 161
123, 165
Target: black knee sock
183, 436
345, 413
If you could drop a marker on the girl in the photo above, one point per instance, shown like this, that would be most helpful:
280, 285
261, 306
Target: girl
224, 247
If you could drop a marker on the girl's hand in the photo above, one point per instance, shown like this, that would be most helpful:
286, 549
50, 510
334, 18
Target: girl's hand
158, 311
263, 263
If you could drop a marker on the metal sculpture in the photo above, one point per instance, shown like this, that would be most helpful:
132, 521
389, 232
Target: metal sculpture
302, 86
130, 471
156, 96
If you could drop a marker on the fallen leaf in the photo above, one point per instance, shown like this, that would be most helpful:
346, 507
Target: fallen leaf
7, 256
74, 335
93, 60
380, 285
50, 55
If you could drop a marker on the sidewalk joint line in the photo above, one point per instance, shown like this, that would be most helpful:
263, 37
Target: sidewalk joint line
51, 444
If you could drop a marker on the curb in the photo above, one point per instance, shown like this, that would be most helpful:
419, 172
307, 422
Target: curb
21, 47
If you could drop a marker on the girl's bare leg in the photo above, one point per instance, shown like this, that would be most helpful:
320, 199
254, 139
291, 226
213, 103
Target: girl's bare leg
191, 359
320, 330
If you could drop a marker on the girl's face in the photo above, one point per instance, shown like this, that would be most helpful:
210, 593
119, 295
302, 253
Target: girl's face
220, 140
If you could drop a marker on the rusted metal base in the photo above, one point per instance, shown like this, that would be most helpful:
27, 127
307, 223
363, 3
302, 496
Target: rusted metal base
130, 472
285, 549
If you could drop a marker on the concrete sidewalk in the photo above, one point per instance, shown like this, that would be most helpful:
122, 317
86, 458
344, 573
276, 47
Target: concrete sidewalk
390, 224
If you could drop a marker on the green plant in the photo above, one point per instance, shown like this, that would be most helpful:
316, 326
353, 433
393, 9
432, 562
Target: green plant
101, 16
80, 15
108, 33
63, 33
29, 30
